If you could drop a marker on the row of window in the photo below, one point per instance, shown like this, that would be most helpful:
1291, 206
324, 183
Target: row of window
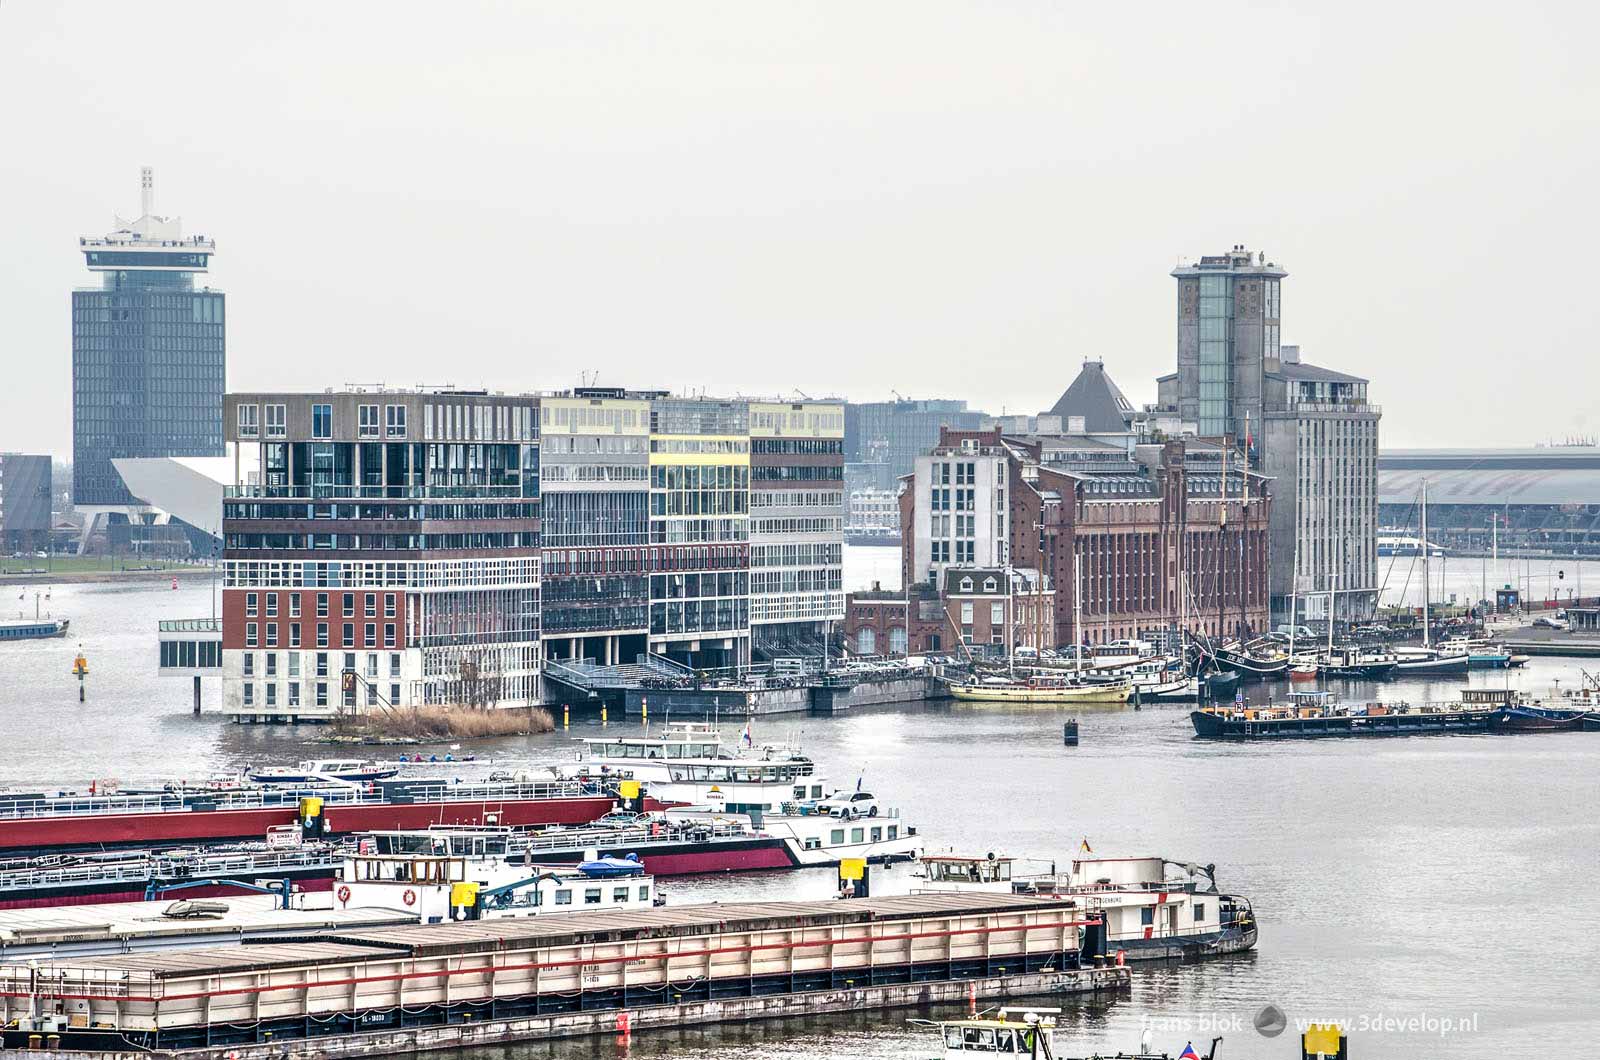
788, 473
830, 524
963, 551
796, 581
942, 499
798, 446
462, 511
254, 632
254, 601
380, 574
799, 499
798, 555
316, 664
509, 540
699, 616
319, 695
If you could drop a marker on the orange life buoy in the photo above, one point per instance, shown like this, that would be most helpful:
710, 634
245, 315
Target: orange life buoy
1121, 957
410, 897
344, 894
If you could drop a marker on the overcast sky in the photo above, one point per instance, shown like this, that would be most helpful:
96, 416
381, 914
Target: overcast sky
952, 200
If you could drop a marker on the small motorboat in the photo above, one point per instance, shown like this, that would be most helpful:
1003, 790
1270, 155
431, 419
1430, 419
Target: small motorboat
1303, 671
323, 771
1029, 1032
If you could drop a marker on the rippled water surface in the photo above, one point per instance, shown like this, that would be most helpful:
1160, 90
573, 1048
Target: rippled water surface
1416, 879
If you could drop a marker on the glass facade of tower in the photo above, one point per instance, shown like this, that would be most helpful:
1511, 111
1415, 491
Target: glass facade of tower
1216, 334
148, 354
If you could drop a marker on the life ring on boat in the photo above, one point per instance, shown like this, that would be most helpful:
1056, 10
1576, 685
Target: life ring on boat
409, 897
343, 893
1122, 958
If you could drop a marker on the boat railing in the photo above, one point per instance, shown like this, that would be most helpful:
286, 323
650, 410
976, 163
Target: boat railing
167, 867
620, 837
288, 796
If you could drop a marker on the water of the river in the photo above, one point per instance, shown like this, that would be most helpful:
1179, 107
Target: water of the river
1411, 881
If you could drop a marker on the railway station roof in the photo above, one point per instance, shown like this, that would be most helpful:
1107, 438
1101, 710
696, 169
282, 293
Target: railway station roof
1536, 476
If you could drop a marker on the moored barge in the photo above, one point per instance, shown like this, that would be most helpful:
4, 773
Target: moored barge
1317, 714
40, 822
546, 976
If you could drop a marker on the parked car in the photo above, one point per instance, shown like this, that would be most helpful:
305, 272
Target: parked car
1549, 622
849, 804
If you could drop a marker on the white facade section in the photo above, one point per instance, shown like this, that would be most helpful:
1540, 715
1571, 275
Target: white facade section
961, 513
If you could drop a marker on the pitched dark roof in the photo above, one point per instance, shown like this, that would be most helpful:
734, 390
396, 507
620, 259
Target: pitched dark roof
1096, 398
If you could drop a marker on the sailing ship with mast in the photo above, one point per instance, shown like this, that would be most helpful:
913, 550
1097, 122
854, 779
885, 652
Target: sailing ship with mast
1428, 659
1259, 657
1038, 684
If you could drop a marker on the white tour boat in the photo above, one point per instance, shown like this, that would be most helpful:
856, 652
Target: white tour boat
813, 839
688, 763
323, 770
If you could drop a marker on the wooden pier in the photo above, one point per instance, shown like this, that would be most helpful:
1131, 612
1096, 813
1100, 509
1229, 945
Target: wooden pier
415, 988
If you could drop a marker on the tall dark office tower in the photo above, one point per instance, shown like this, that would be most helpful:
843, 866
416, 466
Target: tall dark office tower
148, 353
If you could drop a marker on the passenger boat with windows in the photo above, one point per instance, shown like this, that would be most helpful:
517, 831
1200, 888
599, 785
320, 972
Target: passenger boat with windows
813, 836
1149, 913
105, 817
688, 764
1311, 714
33, 629
324, 770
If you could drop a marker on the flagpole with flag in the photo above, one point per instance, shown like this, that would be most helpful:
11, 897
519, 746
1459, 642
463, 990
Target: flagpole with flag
1084, 846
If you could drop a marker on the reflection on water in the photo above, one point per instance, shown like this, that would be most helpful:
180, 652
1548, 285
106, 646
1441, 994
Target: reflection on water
1415, 878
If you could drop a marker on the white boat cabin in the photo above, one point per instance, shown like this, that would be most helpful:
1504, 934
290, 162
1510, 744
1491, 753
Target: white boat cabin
1139, 899
1012, 1032
957, 872
819, 839
441, 876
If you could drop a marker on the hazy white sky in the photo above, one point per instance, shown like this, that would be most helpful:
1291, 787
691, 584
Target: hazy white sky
943, 199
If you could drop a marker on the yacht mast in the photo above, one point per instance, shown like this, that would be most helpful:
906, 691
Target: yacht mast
1077, 610
1427, 577
1222, 549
